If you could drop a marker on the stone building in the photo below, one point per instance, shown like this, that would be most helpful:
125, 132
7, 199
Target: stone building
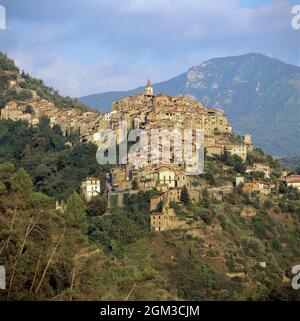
259, 167
248, 141
293, 181
260, 187
162, 215
240, 150
149, 92
68, 119
90, 187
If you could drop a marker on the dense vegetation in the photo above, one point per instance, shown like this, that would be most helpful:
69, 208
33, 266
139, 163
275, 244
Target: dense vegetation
71, 256
44, 252
87, 252
56, 168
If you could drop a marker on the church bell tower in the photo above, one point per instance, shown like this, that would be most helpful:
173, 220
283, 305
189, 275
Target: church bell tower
149, 92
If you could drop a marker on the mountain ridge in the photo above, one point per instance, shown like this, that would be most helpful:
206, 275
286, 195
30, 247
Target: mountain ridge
259, 94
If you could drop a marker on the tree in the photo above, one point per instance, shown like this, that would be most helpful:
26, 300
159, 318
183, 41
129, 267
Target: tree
135, 185
282, 187
56, 169
225, 155
259, 228
75, 214
97, 206
276, 244
185, 197
6, 169
26, 232
236, 162
29, 109
206, 216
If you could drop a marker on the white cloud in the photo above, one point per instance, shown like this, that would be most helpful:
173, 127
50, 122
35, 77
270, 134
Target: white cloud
90, 46
76, 79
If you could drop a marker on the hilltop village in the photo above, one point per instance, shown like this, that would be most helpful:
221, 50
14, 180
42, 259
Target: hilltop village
74, 228
149, 111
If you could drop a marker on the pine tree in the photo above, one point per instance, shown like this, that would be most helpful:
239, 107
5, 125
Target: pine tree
225, 156
185, 197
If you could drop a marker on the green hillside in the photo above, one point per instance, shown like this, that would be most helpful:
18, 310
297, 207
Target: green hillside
85, 251
222, 256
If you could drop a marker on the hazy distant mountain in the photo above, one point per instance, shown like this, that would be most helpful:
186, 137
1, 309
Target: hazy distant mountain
259, 94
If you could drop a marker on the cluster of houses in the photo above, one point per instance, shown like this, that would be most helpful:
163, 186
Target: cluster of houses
144, 111
85, 123
169, 181
147, 111
293, 181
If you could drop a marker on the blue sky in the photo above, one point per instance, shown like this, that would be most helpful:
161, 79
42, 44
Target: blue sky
90, 46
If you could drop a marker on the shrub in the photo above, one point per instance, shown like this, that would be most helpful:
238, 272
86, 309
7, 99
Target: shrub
252, 244
185, 197
206, 216
259, 228
276, 244
29, 109
24, 94
223, 222
213, 253
97, 206
267, 204
135, 185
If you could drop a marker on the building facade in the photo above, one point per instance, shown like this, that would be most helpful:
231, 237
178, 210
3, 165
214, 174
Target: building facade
91, 187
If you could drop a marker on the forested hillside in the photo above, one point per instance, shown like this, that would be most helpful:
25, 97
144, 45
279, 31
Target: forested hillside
73, 256
87, 252
240, 247
292, 163
56, 168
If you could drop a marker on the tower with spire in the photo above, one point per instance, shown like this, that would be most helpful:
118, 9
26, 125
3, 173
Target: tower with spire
149, 92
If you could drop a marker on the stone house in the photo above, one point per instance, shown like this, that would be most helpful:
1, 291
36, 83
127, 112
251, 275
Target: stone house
259, 167
166, 176
248, 141
260, 187
91, 187
162, 215
293, 181
240, 150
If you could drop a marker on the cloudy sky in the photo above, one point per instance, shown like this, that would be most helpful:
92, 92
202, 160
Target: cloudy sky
89, 46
